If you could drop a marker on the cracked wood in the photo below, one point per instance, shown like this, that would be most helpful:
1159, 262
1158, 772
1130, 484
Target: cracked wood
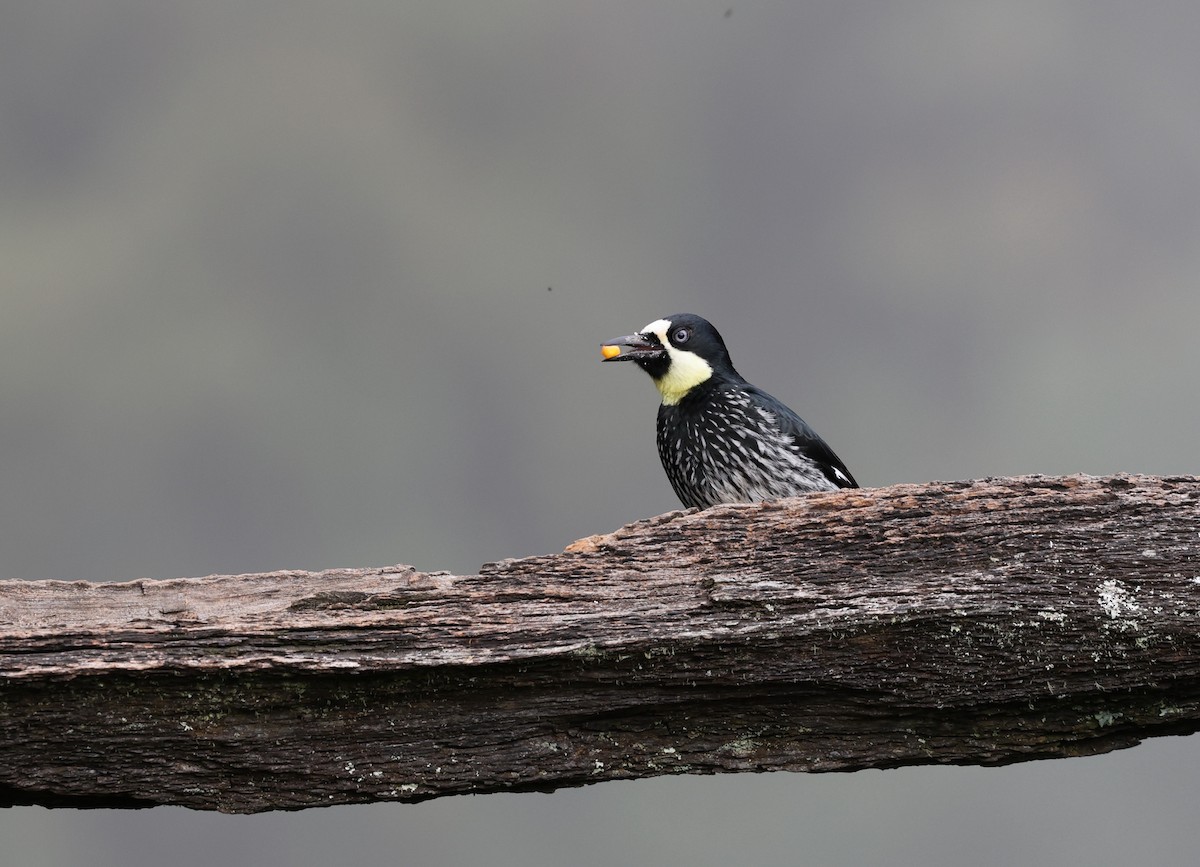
979, 622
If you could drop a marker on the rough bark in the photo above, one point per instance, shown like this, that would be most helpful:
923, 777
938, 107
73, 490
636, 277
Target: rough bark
968, 623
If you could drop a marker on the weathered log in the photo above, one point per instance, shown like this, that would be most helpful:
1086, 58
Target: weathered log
968, 623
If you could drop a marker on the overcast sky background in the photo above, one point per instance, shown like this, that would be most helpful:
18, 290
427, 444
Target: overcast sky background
301, 285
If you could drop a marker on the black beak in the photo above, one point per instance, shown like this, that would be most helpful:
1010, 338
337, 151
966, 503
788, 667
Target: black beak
635, 346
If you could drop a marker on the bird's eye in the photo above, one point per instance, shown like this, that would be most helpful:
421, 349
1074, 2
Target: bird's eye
681, 335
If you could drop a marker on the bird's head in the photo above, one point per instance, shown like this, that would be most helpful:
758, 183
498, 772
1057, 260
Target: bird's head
680, 352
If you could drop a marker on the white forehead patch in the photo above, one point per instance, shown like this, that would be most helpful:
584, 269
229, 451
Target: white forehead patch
687, 369
659, 328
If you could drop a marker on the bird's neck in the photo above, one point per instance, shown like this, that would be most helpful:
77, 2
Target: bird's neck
683, 397
686, 373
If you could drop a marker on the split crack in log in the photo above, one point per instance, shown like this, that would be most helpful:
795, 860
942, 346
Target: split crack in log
982, 622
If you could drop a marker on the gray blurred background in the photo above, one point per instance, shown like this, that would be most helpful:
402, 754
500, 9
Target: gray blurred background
300, 285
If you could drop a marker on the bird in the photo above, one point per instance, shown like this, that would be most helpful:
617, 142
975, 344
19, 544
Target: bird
721, 439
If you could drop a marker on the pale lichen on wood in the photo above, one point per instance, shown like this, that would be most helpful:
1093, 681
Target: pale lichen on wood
968, 622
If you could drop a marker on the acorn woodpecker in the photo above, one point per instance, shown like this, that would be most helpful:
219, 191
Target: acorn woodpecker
720, 439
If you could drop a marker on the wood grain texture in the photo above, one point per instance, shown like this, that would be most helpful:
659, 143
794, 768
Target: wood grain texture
980, 622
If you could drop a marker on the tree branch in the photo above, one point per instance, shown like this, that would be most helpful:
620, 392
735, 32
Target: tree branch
965, 623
